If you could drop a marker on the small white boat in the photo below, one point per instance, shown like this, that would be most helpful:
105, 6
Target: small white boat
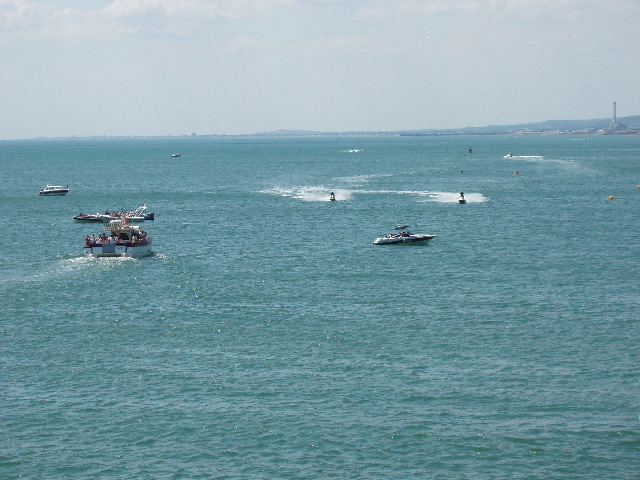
175, 155
53, 190
124, 240
461, 198
403, 237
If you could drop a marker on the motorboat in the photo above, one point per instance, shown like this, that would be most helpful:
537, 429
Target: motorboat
123, 240
53, 190
83, 217
403, 236
332, 197
136, 215
175, 155
461, 198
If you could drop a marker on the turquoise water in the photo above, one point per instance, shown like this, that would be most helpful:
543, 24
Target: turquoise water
268, 338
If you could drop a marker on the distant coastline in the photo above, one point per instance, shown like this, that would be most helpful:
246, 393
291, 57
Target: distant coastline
548, 127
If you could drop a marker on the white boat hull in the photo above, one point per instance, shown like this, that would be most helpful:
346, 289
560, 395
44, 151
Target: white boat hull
114, 250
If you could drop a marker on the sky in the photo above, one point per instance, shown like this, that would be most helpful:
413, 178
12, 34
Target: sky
210, 67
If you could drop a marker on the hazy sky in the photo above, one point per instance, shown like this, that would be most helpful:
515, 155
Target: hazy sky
174, 67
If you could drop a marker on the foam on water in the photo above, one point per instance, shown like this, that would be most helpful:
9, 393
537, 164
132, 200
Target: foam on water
311, 193
452, 197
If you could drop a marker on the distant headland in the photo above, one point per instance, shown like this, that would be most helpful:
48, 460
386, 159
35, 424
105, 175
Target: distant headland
620, 126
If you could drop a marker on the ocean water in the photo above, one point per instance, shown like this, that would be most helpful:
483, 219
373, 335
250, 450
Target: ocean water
268, 338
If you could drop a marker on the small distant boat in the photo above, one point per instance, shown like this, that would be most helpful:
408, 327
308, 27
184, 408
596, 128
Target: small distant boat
332, 197
516, 173
403, 237
354, 150
176, 155
53, 190
124, 240
509, 155
461, 198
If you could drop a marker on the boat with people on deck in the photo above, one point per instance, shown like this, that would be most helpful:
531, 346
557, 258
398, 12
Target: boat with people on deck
403, 236
136, 215
123, 240
53, 190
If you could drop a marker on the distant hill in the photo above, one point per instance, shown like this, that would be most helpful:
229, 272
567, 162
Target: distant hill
632, 122
553, 125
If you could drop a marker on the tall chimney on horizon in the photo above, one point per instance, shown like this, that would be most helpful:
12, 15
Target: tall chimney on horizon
615, 119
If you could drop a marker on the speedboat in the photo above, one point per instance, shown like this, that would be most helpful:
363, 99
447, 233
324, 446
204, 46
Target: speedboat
403, 237
461, 198
175, 155
137, 215
53, 190
124, 240
83, 217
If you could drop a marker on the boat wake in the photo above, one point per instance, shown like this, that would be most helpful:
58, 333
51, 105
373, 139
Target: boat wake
310, 194
452, 197
538, 157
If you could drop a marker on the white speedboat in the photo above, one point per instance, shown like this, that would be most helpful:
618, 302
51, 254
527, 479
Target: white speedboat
137, 215
123, 240
403, 237
461, 198
53, 190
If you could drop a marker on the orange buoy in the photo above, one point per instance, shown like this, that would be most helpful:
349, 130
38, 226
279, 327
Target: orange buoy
610, 197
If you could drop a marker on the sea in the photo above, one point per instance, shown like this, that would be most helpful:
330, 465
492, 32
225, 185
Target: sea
268, 338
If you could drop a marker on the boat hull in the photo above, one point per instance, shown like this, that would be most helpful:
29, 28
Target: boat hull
114, 250
53, 193
133, 219
87, 218
399, 240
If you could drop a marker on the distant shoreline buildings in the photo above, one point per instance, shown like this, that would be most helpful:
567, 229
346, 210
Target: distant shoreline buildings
614, 125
